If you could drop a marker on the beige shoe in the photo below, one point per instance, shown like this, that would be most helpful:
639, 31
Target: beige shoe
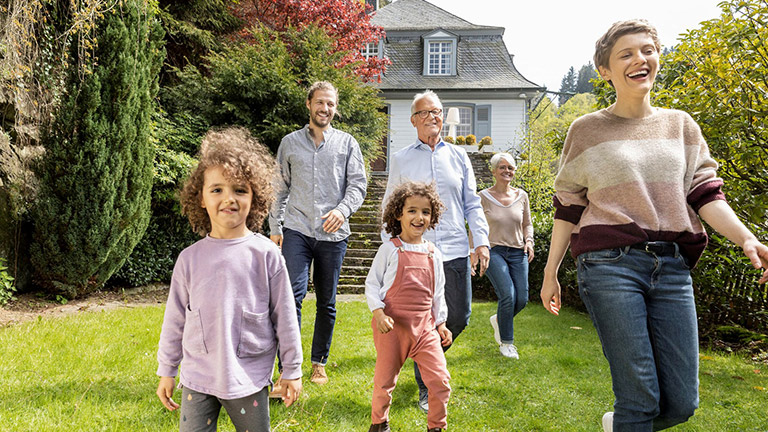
277, 389
319, 376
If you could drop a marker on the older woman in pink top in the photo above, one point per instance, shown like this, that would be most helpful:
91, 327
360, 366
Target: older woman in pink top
508, 213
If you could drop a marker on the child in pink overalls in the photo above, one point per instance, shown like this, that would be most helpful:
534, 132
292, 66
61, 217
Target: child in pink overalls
405, 292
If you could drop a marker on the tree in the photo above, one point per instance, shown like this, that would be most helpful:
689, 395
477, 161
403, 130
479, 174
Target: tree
587, 73
347, 22
96, 177
262, 86
567, 86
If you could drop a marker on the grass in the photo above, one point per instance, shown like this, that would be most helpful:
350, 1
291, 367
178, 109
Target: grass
95, 372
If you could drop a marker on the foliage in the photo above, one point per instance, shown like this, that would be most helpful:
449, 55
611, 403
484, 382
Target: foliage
347, 22
168, 232
7, 287
449, 139
107, 359
193, 29
262, 86
96, 176
567, 86
460, 140
470, 139
485, 141
587, 73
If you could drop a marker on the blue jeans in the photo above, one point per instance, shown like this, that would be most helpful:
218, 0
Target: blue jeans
508, 273
458, 299
299, 252
643, 309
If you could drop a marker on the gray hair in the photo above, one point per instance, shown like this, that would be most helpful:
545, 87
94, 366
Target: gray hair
426, 94
499, 156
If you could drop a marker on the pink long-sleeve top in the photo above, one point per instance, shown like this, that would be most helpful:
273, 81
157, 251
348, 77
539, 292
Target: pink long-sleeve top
229, 304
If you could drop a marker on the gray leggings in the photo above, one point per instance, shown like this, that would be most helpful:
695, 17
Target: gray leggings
200, 411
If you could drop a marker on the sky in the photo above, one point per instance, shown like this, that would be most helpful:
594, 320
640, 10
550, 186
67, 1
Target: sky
547, 37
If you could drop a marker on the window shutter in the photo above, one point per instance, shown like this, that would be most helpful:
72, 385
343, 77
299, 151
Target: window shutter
482, 121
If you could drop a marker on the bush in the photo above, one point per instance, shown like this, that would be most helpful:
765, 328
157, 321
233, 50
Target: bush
96, 178
485, 141
460, 140
6, 284
449, 140
470, 139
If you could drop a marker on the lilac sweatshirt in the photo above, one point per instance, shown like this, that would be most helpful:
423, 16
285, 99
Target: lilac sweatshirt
229, 304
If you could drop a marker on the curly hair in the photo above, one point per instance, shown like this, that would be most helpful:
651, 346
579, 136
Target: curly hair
396, 202
244, 160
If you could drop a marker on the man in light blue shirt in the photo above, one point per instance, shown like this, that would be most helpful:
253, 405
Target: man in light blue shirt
430, 159
321, 183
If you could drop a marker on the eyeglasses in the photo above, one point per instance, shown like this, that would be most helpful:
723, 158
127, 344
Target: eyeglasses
437, 112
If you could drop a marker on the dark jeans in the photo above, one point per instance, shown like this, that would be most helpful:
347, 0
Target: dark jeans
200, 411
299, 252
458, 298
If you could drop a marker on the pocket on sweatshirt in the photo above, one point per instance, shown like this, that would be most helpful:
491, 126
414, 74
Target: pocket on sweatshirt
256, 334
193, 339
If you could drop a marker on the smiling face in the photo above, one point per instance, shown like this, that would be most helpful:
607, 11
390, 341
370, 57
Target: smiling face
429, 128
227, 203
632, 65
322, 108
504, 172
417, 213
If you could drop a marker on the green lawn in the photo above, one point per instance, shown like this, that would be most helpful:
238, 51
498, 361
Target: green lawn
95, 372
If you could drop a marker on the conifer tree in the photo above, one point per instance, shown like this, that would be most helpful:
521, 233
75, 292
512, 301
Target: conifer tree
96, 177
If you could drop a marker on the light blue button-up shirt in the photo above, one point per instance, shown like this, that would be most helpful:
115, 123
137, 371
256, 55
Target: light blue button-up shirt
451, 170
315, 180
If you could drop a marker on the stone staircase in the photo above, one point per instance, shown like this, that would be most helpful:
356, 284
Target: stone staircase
364, 240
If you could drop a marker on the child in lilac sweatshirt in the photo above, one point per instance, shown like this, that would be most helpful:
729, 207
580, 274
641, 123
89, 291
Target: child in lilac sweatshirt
230, 300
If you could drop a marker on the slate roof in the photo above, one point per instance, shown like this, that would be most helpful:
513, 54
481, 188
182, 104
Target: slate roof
483, 61
420, 15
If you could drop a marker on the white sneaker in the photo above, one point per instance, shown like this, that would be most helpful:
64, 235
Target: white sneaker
509, 351
495, 325
608, 422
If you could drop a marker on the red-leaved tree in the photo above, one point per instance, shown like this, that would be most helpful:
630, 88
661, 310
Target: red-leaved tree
346, 21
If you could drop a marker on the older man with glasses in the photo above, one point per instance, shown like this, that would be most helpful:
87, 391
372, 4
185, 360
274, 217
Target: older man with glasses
430, 159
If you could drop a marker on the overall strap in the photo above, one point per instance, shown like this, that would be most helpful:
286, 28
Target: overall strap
398, 243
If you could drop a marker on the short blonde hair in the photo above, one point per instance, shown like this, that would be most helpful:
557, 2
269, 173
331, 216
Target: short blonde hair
605, 44
499, 156
321, 85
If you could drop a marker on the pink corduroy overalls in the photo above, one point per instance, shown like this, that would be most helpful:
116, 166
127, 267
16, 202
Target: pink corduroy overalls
409, 303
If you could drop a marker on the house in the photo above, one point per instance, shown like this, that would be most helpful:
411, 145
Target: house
467, 65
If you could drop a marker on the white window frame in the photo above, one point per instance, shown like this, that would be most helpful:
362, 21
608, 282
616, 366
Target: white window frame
466, 115
371, 49
445, 55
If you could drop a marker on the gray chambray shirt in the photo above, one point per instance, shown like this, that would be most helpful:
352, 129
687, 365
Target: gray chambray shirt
314, 181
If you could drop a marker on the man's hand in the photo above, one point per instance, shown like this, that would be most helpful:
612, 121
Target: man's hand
292, 391
483, 256
278, 239
165, 392
446, 337
333, 221
384, 322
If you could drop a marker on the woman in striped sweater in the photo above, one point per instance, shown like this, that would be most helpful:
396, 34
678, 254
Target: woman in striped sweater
633, 181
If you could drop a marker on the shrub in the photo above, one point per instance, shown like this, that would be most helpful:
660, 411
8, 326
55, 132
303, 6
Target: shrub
96, 177
485, 141
6, 284
449, 139
460, 140
470, 139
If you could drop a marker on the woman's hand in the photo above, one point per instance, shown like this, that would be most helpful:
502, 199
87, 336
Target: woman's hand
529, 250
550, 293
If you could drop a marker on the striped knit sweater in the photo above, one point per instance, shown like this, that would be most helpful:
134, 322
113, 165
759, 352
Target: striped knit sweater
624, 181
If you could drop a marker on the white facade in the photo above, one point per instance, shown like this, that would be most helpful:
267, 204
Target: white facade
507, 122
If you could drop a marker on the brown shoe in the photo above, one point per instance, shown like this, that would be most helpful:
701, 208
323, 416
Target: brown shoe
277, 389
381, 427
319, 376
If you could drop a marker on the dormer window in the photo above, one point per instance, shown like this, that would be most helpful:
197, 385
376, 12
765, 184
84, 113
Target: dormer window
371, 50
440, 53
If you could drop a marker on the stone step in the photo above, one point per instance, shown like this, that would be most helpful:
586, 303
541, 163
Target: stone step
365, 235
364, 227
351, 271
361, 253
364, 244
351, 288
352, 261
352, 280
